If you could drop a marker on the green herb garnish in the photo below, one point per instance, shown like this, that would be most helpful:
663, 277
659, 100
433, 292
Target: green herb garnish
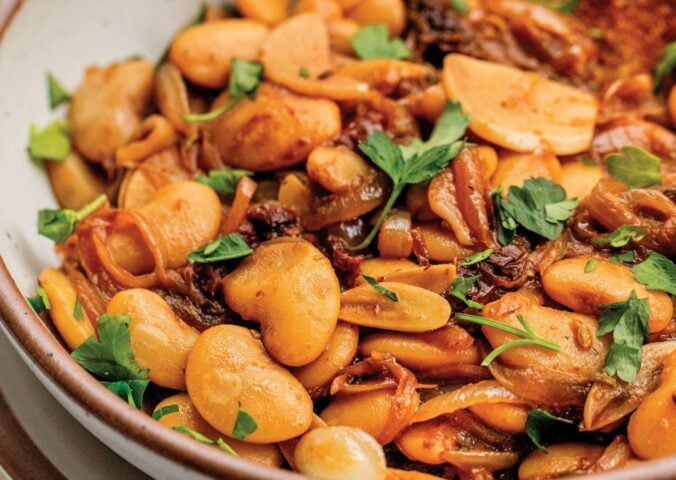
635, 167
78, 314
245, 78
111, 359
460, 6
224, 180
304, 72
664, 66
569, 6
527, 335
416, 162
380, 289
40, 302
621, 236
539, 422
623, 257
477, 257
57, 93
590, 266
540, 206
50, 143
628, 321
656, 272
226, 247
59, 224
461, 287
166, 410
244, 424
220, 443
373, 41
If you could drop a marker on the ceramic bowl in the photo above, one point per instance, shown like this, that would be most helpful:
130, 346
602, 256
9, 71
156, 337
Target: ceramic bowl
64, 37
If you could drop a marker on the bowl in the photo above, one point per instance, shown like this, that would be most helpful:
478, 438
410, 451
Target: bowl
64, 37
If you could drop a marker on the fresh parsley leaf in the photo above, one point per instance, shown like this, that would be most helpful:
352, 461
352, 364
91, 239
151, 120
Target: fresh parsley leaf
226, 247
656, 272
130, 390
244, 424
569, 6
504, 221
57, 93
527, 335
40, 302
664, 66
621, 236
527, 206
59, 224
110, 358
416, 162
304, 72
596, 32
78, 314
460, 6
477, 257
220, 443
623, 257
223, 181
166, 410
539, 422
380, 289
590, 266
245, 78
628, 321
373, 41
50, 143
461, 287
635, 167
561, 211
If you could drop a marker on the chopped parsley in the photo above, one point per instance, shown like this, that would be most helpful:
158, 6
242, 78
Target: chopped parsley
166, 410
78, 313
656, 272
460, 6
373, 41
628, 322
226, 247
380, 289
539, 206
304, 72
635, 167
223, 180
59, 224
539, 423
590, 266
245, 78
461, 287
477, 257
416, 162
621, 236
244, 424
111, 359
664, 66
39, 302
57, 93
623, 257
220, 443
527, 336
50, 143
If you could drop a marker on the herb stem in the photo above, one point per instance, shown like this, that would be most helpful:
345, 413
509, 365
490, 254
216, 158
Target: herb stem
524, 342
396, 191
213, 114
91, 207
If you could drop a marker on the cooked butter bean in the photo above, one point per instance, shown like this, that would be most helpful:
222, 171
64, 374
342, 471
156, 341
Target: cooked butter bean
567, 283
340, 453
203, 52
188, 416
229, 369
276, 130
418, 310
62, 298
435, 278
378, 267
290, 288
270, 12
160, 341
337, 169
73, 182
